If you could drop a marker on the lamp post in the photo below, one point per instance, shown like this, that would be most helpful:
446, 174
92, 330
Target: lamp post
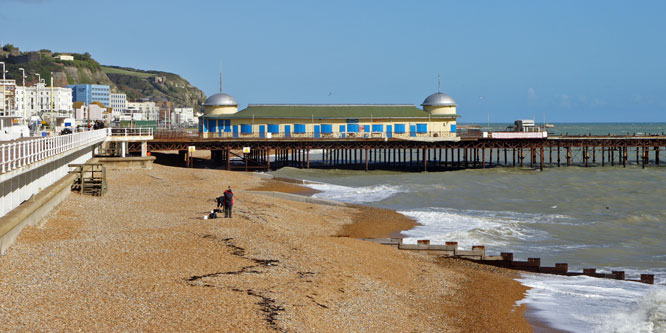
22, 75
4, 98
25, 96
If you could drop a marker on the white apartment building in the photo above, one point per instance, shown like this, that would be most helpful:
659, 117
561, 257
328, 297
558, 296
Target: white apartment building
31, 101
182, 117
7, 93
119, 104
148, 110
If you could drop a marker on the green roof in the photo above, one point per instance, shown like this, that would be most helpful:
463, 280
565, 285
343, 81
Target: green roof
330, 112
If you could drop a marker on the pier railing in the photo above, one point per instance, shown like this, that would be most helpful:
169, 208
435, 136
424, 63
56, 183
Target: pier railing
15, 155
130, 131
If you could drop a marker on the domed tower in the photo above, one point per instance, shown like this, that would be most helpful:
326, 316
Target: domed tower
439, 104
220, 103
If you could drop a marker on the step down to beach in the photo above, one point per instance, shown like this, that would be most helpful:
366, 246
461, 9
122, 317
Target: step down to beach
504, 260
91, 178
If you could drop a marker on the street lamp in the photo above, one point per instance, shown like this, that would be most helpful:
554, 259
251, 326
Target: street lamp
25, 95
4, 98
23, 75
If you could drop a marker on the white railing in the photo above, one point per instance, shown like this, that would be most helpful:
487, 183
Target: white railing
18, 154
131, 131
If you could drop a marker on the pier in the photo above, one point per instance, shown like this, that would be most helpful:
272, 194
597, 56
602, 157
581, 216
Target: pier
427, 153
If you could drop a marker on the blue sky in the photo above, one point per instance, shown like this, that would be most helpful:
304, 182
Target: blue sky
570, 61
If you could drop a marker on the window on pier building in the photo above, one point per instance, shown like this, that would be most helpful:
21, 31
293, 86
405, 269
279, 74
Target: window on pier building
399, 128
273, 128
377, 128
352, 128
299, 128
246, 128
421, 128
326, 128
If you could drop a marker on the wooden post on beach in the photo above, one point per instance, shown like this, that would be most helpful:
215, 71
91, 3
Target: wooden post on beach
625, 155
656, 155
308, 153
366, 158
558, 155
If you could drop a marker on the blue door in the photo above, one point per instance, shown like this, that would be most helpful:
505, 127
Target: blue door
389, 131
235, 132
287, 131
342, 131
453, 128
412, 130
262, 131
317, 132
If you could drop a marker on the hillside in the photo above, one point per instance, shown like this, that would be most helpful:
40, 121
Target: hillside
136, 84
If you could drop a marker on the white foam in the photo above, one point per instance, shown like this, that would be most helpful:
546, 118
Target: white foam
354, 194
470, 228
585, 304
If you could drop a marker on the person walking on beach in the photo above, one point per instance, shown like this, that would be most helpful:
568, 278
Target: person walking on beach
228, 202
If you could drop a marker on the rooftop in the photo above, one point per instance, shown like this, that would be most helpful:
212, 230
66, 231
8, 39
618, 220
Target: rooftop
331, 111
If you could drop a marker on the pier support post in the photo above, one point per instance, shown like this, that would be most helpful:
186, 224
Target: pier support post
568, 156
541, 158
483, 157
366, 158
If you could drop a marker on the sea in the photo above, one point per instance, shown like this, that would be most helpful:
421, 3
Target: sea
608, 218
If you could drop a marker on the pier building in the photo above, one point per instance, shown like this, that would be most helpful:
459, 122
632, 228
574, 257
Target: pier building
436, 121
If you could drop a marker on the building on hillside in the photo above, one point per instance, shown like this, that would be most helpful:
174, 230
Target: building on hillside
164, 106
89, 93
183, 117
64, 57
147, 110
35, 100
436, 121
119, 104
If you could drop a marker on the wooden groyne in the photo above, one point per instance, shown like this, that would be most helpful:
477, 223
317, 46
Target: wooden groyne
420, 155
506, 260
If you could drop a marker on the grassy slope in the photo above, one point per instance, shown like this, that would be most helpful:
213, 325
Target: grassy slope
113, 70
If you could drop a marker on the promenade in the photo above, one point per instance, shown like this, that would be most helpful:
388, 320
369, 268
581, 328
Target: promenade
143, 258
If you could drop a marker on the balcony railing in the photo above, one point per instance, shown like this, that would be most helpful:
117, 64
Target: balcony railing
15, 155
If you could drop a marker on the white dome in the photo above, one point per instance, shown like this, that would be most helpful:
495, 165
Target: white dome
220, 99
439, 99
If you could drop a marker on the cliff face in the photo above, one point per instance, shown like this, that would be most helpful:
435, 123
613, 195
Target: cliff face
136, 84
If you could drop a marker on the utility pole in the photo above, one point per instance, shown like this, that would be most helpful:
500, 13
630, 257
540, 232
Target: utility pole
4, 99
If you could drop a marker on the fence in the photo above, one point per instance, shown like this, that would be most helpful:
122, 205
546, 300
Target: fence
18, 154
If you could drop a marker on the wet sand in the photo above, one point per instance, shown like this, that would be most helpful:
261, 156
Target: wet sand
143, 258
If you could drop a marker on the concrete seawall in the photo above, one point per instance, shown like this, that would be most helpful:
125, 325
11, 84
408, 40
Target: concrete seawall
33, 211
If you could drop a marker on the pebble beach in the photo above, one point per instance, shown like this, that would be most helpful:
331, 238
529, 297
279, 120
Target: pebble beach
142, 257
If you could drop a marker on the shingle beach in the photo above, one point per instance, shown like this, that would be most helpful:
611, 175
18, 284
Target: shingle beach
143, 258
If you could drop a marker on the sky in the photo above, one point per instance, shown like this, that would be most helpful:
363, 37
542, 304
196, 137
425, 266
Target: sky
562, 61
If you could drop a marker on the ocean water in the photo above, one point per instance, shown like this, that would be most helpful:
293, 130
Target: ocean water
609, 218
